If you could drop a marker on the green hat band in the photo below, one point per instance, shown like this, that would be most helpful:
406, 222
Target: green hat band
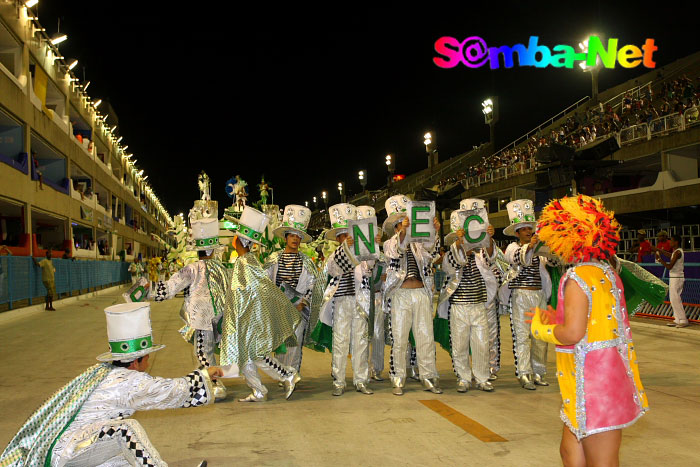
248, 232
527, 218
295, 225
206, 242
340, 225
131, 346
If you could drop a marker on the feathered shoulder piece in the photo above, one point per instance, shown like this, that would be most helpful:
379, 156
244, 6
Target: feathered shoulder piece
579, 229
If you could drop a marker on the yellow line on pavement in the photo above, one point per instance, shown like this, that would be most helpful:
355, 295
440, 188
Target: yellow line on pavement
472, 427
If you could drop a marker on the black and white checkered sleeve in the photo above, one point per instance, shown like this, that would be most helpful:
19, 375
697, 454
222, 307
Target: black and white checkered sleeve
451, 260
161, 291
199, 389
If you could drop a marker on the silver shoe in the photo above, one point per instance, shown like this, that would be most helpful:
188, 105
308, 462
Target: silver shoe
202, 464
432, 385
375, 376
219, 391
338, 391
397, 391
362, 387
488, 387
290, 384
540, 381
252, 397
526, 382
493, 377
413, 374
462, 386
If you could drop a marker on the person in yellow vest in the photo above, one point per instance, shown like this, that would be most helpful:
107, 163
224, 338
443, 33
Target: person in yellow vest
596, 358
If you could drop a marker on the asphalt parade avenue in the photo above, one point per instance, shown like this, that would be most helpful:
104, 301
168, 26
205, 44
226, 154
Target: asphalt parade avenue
41, 351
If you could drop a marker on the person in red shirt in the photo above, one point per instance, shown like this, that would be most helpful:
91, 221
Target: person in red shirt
643, 247
662, 243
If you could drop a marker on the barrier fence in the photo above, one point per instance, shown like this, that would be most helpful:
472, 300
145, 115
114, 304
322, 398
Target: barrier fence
20, 279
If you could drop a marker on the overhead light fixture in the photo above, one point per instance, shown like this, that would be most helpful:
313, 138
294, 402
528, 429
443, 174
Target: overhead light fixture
72, 65
119, 139
96, 104
30, 3
58, 38
86, 86
113, 128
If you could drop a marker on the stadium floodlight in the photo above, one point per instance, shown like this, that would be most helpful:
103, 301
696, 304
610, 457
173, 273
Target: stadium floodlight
58, 38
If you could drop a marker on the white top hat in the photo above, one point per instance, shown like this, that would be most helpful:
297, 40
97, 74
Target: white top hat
204, 234
129, 332
340, 214
521, 213
472, 203
295, 220
454, 227
396, 207
251, 225
364, 212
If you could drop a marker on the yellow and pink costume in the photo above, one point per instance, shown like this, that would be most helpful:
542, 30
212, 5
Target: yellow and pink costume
599, 377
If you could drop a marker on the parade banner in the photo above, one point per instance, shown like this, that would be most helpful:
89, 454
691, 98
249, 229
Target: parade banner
137, 292
474, 222
421, 215
363, 232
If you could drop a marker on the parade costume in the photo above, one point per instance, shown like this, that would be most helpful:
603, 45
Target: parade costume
469, 288
498, 267
344, 318
409, 309
258, 316
85, 422
377, 317
203, 283
298, 277
598, 376
529, 286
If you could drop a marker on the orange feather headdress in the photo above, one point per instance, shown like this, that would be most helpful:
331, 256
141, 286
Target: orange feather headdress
579, 229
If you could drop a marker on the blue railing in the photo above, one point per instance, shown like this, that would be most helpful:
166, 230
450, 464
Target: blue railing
20, 279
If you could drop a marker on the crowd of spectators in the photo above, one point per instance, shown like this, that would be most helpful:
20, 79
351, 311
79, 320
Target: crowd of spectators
578, 130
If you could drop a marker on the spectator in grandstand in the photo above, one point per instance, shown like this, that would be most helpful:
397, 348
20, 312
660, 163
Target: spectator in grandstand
642, 247
676, 271
48, 278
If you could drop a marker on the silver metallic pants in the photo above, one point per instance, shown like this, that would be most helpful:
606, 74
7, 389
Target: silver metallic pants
494, 325
204, 345
271, 367
350, 328
120, 443
469, 331
377, 354
530, 353
294, 354
411, 309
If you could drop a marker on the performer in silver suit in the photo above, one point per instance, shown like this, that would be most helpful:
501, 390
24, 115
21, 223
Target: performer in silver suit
203, 307
85, 423
469, 288
408, 294
297, 276
344, 318
528, 286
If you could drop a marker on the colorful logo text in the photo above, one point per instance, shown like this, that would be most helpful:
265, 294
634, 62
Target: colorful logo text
474, 53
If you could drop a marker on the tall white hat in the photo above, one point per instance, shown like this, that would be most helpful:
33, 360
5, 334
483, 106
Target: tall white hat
472, 203
251, 225
396, 207
521, 213
129, 332
340, 214
364, 212
295, 220
204, 234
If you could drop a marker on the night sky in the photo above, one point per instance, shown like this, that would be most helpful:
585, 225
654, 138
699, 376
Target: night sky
310, 94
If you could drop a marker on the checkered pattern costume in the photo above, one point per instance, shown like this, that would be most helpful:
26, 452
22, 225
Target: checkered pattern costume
101, 433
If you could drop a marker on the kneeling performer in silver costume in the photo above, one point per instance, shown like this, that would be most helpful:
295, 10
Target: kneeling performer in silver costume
86, 424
